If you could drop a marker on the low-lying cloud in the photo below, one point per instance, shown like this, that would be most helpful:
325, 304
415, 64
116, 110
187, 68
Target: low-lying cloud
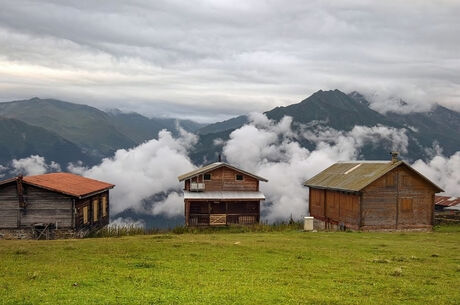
147, 170
444, 171
271, 149
33, 165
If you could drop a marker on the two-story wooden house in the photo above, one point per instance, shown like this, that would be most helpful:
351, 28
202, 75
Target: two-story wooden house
221, 194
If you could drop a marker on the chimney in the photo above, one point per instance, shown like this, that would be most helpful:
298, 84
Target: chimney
394, 156
219, 158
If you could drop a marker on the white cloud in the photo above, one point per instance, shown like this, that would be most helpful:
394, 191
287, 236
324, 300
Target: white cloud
271, 150
147, 170
444, 171
34, 165
127, 223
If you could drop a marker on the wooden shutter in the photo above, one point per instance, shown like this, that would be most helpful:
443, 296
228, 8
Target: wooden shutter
85, 214
95, 210
104, 206
406, 204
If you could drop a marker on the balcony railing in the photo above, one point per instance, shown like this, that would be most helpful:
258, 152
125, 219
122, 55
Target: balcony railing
196, 187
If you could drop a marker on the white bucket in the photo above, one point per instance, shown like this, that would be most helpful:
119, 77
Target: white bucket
308, 223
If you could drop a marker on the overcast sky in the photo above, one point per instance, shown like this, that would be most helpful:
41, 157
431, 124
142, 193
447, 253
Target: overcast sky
209, 60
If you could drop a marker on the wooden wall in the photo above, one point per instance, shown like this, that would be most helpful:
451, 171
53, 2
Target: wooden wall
43, 206
224, 179
379, 203
88, 202
401, 199
9, 206
335, 207
199, 212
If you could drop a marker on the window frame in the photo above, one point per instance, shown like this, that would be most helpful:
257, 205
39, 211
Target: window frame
207, 175
241, 175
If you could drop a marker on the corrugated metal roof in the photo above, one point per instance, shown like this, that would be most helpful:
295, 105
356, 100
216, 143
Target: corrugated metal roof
446, 201
214, 166
69, 184
356, 175
224, 195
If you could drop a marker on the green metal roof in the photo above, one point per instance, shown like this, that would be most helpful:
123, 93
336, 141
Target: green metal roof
355, 176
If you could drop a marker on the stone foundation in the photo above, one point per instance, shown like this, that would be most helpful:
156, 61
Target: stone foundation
320, 225
28, 233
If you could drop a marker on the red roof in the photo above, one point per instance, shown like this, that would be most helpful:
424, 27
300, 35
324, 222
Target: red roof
446, 201
69, 184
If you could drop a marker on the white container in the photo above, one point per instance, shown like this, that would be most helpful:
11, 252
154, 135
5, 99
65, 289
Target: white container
308, 223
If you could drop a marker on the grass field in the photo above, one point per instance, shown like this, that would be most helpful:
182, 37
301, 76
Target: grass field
290, 267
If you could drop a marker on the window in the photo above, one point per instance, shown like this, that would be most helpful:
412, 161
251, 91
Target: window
95, 209
104, 206
207, 176
406, 204
239, 177
85, 215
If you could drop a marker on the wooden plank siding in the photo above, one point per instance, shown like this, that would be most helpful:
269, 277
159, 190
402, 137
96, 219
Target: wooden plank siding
44, 206
88, 202
224, 212
398, 200
9, 206
335, 206
224, 179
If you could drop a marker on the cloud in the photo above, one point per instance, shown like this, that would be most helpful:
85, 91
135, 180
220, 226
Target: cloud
145, 171
442, 170
33, 165
272, 151
210, 59
126, 223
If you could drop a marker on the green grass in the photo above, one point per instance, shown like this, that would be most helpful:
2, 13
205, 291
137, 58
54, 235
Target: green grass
281, 267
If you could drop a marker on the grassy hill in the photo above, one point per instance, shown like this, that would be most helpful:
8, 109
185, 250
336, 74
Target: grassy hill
289, 267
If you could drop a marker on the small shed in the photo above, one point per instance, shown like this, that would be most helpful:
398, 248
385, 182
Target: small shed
55, 205
448, 203
373, 195
221, 194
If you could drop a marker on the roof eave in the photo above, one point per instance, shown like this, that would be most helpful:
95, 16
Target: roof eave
198, 172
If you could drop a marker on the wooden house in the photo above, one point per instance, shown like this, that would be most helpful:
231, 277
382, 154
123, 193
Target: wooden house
372, 195
52, 206
221, 194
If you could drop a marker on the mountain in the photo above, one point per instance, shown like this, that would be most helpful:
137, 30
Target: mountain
342, 112
439, 124
20, 140
88, 127
80, 132
230, 124
140, 128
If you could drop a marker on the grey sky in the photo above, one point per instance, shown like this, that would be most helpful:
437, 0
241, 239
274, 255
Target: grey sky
209, 60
